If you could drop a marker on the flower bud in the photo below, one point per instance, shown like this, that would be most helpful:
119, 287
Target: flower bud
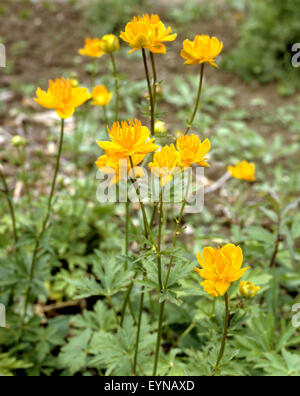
19, 141
74, 82
248, 289
109, 43
160, 127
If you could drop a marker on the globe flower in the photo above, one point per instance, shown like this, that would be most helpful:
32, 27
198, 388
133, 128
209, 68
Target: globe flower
166, 163
92, 48
128, 139
147, 32
101, 96
192, 150
109, 43
62, 97
243, 171
220, 267
203, 49
248, 289
119, 168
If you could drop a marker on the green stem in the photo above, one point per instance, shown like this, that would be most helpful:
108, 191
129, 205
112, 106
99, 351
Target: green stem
127, 207
114, 309
116, 78
158, 340
138, 333
224, 338
45, 222
149, 90
130, 286
126, 300
162, 305
154, 80
23, 157
197, 100
148, 233
159, 241
10, 205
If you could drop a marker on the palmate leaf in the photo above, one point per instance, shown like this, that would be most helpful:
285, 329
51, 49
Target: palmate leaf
115, 352
73, 355
110, 278
9, 363
286, 364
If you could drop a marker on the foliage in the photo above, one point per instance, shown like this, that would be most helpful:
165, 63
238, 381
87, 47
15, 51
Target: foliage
266, 38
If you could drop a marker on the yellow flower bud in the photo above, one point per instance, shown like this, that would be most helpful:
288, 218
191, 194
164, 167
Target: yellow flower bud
19, 141
248, 289
74, 82
160, 127
109, 43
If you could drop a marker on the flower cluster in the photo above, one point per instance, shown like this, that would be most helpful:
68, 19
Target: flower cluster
130, 141
133, 139
147, 32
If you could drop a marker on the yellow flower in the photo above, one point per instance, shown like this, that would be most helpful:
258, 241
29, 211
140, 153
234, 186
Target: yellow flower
243, 170
248, 289
101, 96
109, 43
128, 139
203, 49
166, 163
147, 32
120, 167
220, 267
192, 150
92, 48
62, 97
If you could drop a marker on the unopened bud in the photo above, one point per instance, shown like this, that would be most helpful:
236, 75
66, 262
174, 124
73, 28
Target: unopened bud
109, 43
160, 127
248, 289
19, 141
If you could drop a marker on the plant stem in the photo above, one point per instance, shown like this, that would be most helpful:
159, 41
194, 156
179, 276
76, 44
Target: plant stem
45, 222
197, 100
138, 333
160, 285
127, 207
162, 305
158, 340
115, 74
150, 91
276, 249
23, 158
224, 338
154, 80
129, 289
10, 205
